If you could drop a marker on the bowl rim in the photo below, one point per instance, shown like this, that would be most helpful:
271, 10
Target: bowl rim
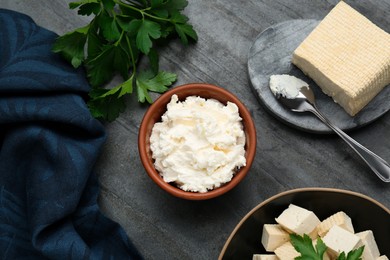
250, 150
297, 190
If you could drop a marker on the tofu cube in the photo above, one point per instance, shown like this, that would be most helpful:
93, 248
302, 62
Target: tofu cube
371, 250
298, 220
286, 252
340, 219
264, 257
273, 236
340, 240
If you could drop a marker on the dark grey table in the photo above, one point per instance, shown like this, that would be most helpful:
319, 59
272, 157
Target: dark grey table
165, 227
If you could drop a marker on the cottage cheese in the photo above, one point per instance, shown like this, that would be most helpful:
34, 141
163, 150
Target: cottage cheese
199, 144
286, 85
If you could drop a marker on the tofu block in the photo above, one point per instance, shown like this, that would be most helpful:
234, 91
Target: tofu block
340, 240
298, 220
286, 252
264, 257
273, 236
371, 250
348, 57
340, 219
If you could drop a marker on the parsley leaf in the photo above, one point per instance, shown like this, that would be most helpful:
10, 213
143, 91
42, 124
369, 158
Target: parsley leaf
74, 53
119, 34
352, 255
175, 5
107, 108
184, 30
153, 60
146, 31
158, 83
304, 245
101, 68
109, 27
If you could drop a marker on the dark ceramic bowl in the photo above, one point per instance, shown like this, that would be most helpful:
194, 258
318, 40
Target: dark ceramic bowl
158, 108
365, 212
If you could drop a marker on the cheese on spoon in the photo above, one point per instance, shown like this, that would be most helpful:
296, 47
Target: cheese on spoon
286, 85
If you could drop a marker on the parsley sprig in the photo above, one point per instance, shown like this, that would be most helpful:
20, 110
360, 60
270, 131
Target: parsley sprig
304, 245
119, 35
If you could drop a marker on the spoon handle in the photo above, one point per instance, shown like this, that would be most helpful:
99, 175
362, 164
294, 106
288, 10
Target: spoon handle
380, 167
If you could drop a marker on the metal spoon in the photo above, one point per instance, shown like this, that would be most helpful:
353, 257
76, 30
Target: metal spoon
305, 102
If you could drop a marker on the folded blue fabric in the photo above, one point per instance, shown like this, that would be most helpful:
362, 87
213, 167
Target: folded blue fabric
48, 146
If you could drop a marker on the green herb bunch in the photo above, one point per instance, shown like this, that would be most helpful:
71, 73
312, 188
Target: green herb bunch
120, 33
304, 245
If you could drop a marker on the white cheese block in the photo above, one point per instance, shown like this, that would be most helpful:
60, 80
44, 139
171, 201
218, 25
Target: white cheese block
264, 257
286, 252
298, 220
371, 250
273, 236
347, 56
340, 219
340, 240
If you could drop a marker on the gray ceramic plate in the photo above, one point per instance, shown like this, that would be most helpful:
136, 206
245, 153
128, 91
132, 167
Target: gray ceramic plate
271, 54
365, 212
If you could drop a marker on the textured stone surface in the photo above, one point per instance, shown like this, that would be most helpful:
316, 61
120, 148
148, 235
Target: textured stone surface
164, 227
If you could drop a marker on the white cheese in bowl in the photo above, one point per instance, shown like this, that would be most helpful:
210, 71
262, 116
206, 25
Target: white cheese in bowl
199, 144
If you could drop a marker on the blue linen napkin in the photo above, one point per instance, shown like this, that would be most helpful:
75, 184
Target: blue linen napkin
48, 145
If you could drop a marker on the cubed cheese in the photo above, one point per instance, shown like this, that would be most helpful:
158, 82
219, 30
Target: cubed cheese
340, 219
286, 252
371, 250
347, 56
264, 257
340, 240
273, 236
298, 220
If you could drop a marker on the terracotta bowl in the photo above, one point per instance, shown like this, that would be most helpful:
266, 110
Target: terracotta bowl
158, 108
365, 212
